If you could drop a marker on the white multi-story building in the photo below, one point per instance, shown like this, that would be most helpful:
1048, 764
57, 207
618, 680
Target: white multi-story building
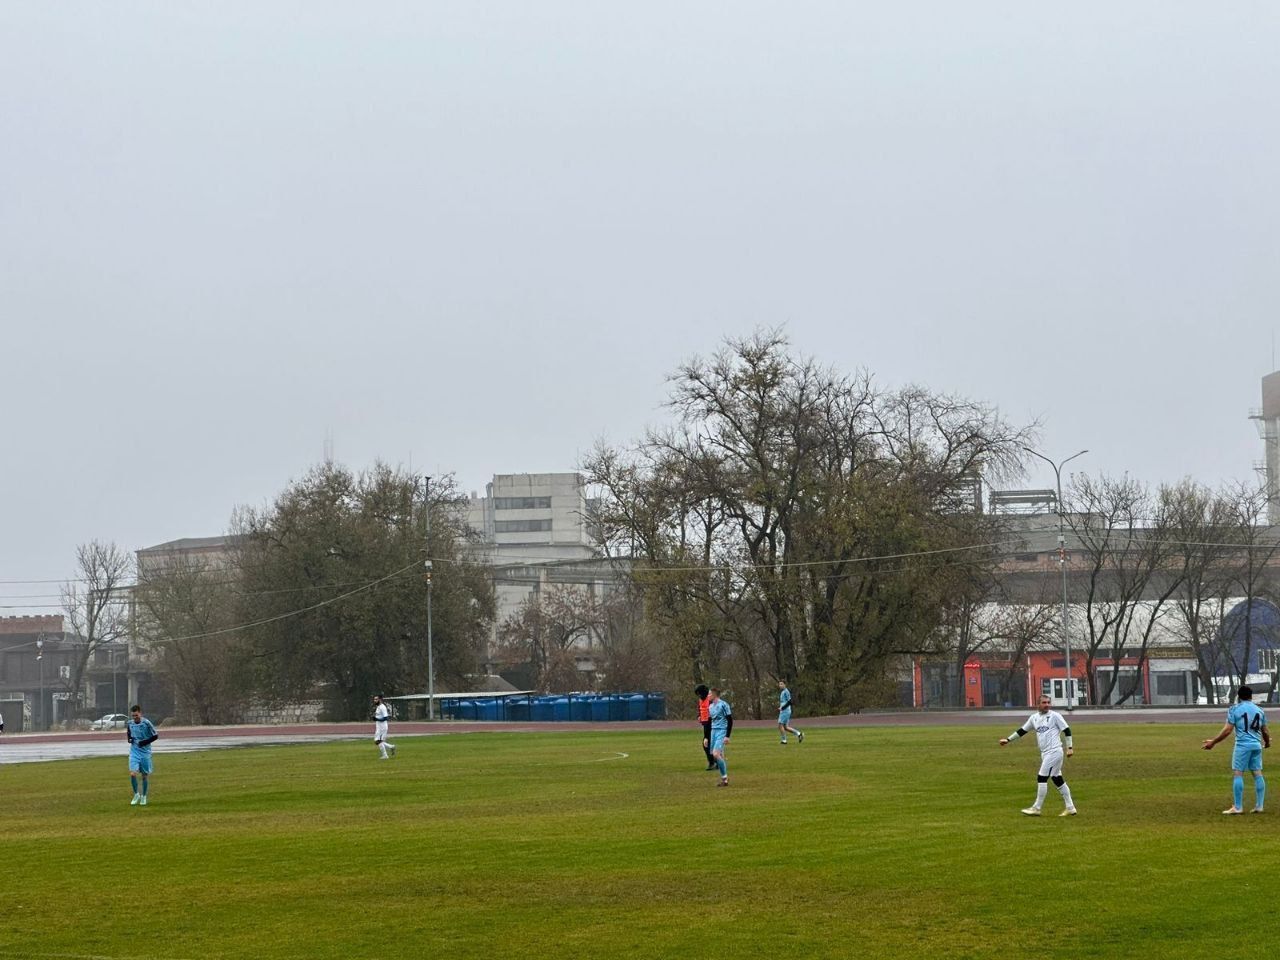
536, 531
533, 518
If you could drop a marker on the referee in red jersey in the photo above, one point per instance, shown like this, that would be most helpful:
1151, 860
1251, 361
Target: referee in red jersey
704, 717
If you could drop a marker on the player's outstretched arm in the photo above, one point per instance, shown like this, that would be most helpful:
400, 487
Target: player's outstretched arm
1222, 735
1013, 736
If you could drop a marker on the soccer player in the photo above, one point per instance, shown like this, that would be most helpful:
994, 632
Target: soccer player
784, 714
142, 734
1250, 726
721, 727
1047, 723
381, 714
705, 719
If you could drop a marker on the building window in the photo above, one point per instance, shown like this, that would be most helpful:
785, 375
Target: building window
520, 526
1267, 660
1171, 685
522, 503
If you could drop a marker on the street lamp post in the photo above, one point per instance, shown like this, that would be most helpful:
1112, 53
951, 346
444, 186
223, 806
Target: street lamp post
431, 663
1062, 563
115, 697
40, 661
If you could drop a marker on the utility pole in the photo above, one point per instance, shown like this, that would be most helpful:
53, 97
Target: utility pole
1062, 564
431, 663
40, 661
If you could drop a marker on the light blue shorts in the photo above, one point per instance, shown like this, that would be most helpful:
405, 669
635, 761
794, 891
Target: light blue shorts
717, 742
784, 716
139, 762
1246, 758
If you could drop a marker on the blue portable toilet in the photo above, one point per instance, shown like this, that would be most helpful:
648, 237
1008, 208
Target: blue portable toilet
599, 709
544, 710
518, 709
487, 710
655, 706
635, 706
580, 708
561, 709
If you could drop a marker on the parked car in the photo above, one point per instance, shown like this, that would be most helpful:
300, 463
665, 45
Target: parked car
112, 721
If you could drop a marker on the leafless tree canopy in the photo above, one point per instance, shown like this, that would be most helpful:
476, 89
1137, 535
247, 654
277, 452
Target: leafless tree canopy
768, 522
95, 604
188, 609
556, 627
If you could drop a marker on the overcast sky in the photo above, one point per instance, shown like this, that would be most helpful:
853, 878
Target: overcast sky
479, 235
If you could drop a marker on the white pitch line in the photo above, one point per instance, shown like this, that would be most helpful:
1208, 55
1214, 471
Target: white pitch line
616, 756
27, 955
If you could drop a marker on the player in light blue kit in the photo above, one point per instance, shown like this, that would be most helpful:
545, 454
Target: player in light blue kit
784, 714
721, 726
141, 733
1249, 724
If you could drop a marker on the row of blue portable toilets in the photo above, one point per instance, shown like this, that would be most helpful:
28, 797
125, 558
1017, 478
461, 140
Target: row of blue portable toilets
563, 708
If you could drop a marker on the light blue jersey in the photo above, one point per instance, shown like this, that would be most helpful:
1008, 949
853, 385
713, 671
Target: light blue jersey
721, 720
140, 734
784, 705
1248, 720
720, 712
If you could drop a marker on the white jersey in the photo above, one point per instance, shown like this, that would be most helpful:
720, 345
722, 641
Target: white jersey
1047, 727
382, 713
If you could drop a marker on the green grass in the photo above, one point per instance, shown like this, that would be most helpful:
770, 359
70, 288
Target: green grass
879, 842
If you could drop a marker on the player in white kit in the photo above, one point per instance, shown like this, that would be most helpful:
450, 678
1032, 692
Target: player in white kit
1047, 724
381, 714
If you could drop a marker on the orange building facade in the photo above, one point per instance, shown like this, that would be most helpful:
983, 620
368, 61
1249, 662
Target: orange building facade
992, 681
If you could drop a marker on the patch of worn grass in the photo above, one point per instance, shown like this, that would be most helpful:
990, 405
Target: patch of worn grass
860, 843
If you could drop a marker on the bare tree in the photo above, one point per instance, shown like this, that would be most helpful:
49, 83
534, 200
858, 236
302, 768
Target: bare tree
553, 628
96, 606
1132, 571
1198, 523
984, 619
1254, 555
784, 519
187, 607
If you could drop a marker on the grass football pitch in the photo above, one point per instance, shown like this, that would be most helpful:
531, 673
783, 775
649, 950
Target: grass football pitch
862, 842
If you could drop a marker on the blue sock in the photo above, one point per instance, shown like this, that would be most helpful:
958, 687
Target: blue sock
145, 781
1259, 790
1237, 791
724, 771
134, 781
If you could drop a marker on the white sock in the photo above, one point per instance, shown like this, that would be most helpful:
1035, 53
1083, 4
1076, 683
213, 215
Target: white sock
1041, 790
1066, 795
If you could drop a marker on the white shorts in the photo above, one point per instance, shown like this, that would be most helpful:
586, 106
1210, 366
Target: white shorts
380, 731
1051, 764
